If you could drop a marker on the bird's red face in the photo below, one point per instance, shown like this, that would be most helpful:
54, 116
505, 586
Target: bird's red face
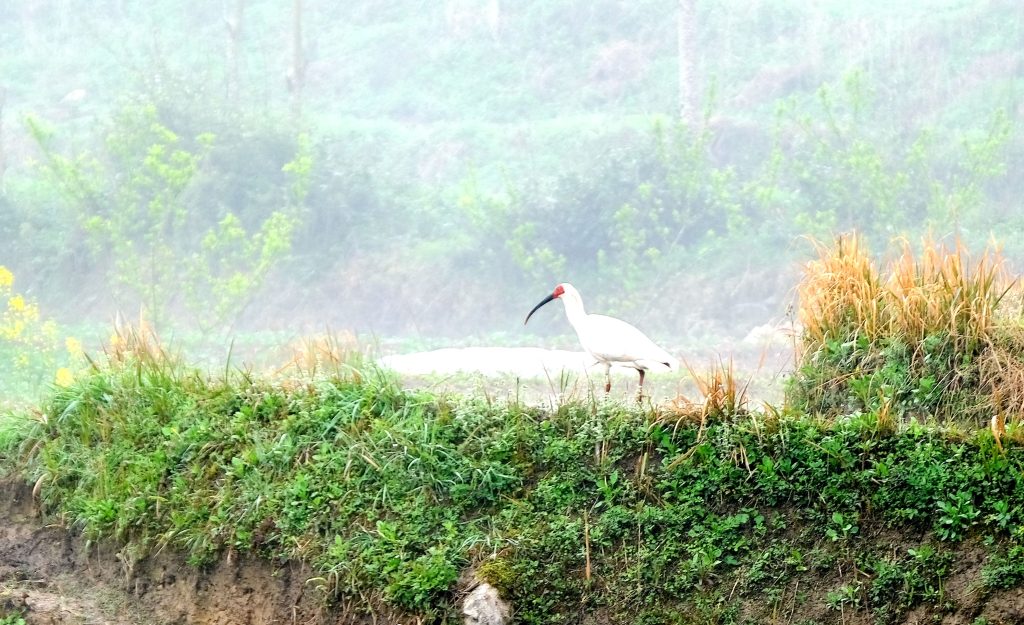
558, 292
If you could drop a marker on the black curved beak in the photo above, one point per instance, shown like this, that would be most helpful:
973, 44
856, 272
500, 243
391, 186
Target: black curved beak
542, 302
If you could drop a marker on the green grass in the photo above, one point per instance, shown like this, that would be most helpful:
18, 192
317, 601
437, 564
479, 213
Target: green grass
12, 618
934, 334
14, 429
593, 507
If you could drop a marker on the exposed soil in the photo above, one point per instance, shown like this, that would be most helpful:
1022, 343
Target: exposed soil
54, 576
964, 600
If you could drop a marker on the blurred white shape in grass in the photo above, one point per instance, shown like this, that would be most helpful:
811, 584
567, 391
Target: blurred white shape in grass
524, 362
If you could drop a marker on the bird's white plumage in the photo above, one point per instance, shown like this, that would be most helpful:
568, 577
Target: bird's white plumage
612, 340
609, 340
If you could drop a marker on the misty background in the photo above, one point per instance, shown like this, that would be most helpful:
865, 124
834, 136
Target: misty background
424, 172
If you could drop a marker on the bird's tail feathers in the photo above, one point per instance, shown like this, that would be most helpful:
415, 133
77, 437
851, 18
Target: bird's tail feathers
660, 364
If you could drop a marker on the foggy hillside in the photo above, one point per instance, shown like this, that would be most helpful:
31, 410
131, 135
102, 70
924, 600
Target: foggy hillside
266, 268
431, 169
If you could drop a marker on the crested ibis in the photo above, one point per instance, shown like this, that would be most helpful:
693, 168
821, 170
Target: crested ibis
607, 339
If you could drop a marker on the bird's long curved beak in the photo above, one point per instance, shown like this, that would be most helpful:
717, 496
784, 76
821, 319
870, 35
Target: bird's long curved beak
542, 302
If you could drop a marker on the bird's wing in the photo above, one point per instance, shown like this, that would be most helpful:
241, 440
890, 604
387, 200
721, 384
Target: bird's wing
615, 340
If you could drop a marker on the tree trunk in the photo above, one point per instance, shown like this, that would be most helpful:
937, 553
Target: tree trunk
690, 94
3, 150
493, 12
297, 73
233, 23
30, 16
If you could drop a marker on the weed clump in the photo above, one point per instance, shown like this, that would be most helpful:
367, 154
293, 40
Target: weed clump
926, 335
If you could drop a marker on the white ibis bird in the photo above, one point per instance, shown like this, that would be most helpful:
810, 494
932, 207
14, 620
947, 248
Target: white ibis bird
607, 339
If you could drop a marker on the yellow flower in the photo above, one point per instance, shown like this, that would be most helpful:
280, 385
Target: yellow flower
12, 331
65, 377
74, 346
16, 303
49, 327
6, 277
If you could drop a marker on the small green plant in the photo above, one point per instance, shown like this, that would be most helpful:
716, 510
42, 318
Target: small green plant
842, 526
12, 618
1004, 570
845, 597
1002, 515
957, 515
900, 584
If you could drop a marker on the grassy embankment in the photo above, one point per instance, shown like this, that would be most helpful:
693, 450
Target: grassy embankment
854, 498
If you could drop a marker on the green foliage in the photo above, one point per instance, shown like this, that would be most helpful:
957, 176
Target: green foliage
390, 494
230, 265
15, 429
140, 218
956, 515
1006, 569
901, 582
135, 204
12, 618
681, 197
662, 199
581, 168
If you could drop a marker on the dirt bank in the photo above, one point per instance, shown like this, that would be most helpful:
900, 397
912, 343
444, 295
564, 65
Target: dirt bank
54, 576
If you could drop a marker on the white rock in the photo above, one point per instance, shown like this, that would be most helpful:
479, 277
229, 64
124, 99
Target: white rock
484, 606
74, 97
526, 362
771, 335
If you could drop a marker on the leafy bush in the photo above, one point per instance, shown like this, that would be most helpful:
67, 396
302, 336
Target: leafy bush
133, 202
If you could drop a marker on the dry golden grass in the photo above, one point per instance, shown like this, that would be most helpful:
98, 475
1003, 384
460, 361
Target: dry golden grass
1002, 374
325, 354
845, 296
942, 295
841, 292
720, 394
135, 343
943, 291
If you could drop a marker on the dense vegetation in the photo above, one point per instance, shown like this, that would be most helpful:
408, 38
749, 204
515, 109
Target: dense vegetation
858, 491
647, 517
435, 154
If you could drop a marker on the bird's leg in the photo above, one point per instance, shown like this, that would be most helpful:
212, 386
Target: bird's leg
607, 378
640, 389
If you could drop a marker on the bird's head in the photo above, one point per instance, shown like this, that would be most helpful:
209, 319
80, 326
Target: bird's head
558, 292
